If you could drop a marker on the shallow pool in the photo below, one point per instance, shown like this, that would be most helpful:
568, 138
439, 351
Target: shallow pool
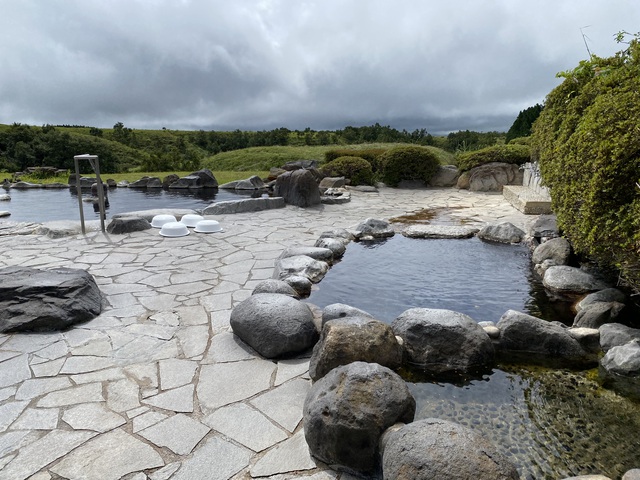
43, 205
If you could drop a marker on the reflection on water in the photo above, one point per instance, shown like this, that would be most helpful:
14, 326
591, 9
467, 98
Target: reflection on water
43, 205
551, 423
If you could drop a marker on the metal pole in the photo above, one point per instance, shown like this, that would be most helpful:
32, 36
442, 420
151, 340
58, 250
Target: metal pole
79, 190
96, 168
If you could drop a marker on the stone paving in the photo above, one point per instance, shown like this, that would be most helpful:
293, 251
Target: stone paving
158, 387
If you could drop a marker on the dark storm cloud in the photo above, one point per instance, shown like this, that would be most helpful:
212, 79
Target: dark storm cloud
265, 64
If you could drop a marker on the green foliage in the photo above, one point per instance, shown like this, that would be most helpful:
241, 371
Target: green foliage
587, 142
520, 141
262, 158
466, 141
517, 154
369, 154
357, 169
408, 163
522, 125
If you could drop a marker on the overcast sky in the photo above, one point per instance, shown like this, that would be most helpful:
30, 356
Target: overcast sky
443, 65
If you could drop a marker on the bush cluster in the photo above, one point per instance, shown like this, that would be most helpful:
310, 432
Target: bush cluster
587, 142
357, 169
517, 154
408, 163
369, 154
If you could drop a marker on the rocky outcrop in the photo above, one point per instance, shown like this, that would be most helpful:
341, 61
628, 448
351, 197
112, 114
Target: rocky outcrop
122, 225
443, 343
243, 206
565, 280
528, 338
505, 232
32, 299
298, 187
347, 410
274, 324
353, 339
490, 177
431, 449
446, 176
196, 181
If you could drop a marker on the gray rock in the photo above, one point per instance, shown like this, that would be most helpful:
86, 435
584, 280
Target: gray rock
633, 474
275, 286
26, 185
446, 176
302, 285
169, 180
502, 232
527, 338
353, 339
556, 249
616, 335
300, 265
374, 228
491, 177
589, 338
252, 183
331, 182
437, 449
365, 188
341, 234
347, 410
596, 314
274, 325
443, 342
545, 226
588, 477
123, 225
623, 360
299, 188
5, 197
123, 184
336, 246
563, 279
606, 295
439, 231
85, 182
154, 182
196, 180
335, 196
149, 214
299, 164
541, 268
317, 253
141, 182
340, 310
32, 299
245, 205
275, 172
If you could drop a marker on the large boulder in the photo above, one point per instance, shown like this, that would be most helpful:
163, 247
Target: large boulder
317, 253
275, 286
274, 324
336, 246
252, 183
444, 343
196, 180
347, 410
300, 265
491, 177
606, 295
341, 310
531, 339
616, 335
352, 339
243, 206
331, 182
298, 187
565, 280
596, 314
544, 227
32, 299
299, 164
445, 176
341, 234
431, 449
373, 228
557, 250
505, 232
121, 225
439, 231
620, 369
142, 182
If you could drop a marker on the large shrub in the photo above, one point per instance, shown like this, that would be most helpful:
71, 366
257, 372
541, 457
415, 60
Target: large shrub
357, 169
517, 154
587, 141
408, 163
369, 154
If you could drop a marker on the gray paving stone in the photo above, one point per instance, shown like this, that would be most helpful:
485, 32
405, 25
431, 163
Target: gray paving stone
12, 441
288, 369
227, 347
146, 420
6, 355
179, 433
194, 315
39, 386
42, 452
53, 351
137, 411
37, 419
177, 400
176, 373
147, 349
165, 472
284, 403
245, 425
9, 412
84, 364
145, 374
107, 375
48, 369
193, 340
170, 318
224, 383
7, 392
122, 395
217, 459
14, 371
92, 416
91, 392
95, 458
290, 456
159, 302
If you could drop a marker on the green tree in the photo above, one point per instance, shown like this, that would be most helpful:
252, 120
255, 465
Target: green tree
522, 125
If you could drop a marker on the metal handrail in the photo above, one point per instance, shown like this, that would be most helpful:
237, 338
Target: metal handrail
95, 165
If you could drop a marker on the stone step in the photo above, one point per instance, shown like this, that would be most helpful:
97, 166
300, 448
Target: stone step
527, 200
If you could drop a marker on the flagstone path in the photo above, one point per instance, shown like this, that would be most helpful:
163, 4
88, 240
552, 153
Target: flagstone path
158, 387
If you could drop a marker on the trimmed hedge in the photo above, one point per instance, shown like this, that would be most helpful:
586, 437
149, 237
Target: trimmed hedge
357, 169
369, 154
587, 142
517, 154
408, 163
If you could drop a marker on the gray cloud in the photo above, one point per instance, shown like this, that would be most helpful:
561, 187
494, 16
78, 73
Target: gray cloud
271, 63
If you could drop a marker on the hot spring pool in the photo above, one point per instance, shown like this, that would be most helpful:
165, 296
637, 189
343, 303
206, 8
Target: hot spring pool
552, 424
42, 204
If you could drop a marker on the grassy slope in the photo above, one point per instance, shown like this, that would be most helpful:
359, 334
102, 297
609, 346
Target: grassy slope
221, 176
